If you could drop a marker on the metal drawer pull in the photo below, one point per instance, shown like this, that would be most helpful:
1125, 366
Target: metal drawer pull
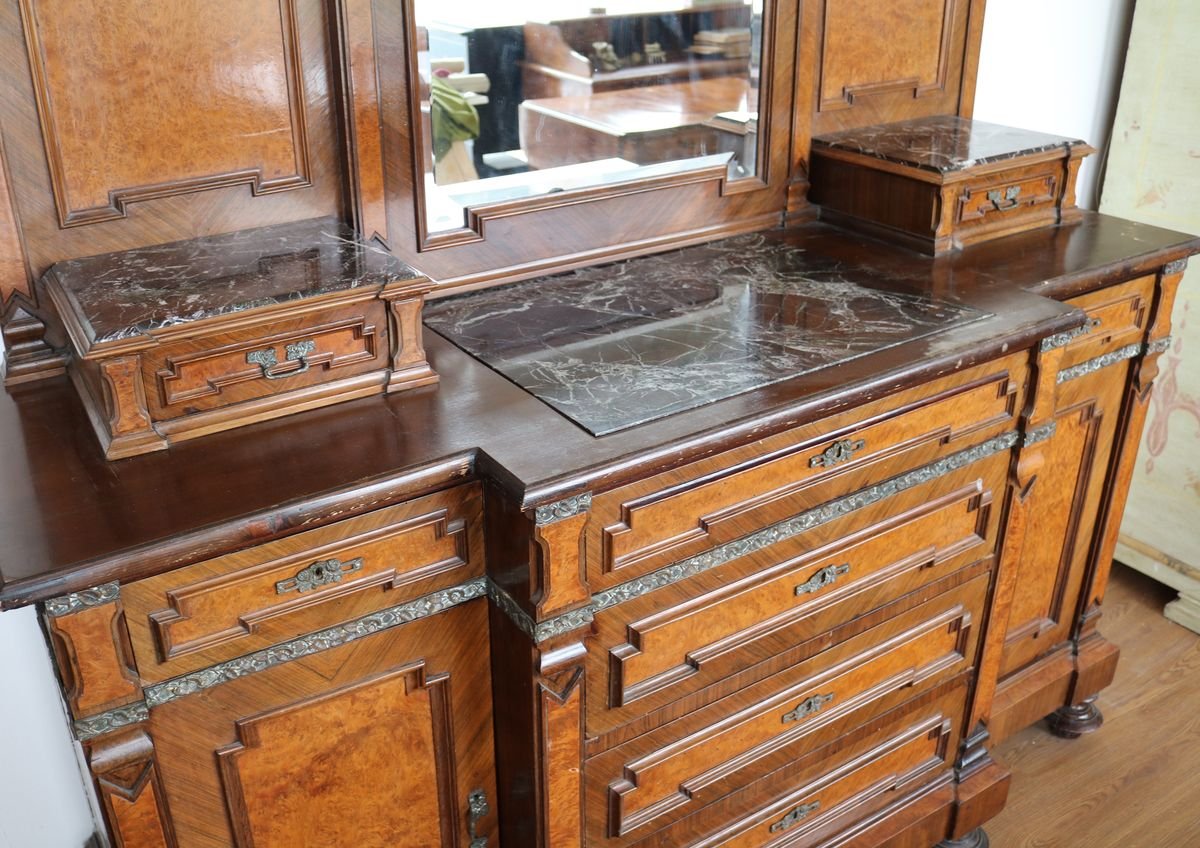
840, 451
825, 577
477, 808
807, 707
320, 573
297, 352
1009, 196
795, 817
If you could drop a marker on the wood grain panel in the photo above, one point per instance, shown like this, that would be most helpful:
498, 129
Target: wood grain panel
94, 659
1117, 316
221, 608
221, 80
130, 790
14, 275
287, 775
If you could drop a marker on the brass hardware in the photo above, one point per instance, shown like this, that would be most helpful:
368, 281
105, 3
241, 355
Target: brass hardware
1009, 196
320, 573
840, 451
807, 707
477, 808
296, 352
795, 817
825, 577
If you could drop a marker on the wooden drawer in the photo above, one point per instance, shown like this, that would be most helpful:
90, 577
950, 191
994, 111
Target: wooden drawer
660, 647
653, 523
1117, 317
996, 200
886, 761
221, 368
671, 772
225, 607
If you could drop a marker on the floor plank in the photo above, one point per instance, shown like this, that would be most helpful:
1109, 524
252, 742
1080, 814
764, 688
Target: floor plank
1136, 782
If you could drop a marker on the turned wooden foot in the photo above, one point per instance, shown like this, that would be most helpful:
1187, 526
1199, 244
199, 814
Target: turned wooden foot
1074, 721
977, 838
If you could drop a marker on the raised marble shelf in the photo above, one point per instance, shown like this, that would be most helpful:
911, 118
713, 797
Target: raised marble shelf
943, 144
618, 345
121, 295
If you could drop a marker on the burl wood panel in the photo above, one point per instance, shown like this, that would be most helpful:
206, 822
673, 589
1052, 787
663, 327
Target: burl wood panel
232, 108
377, 743
659, 520
130, 790
225, 607
94, 659
1117, 316
881, 62
682, 766
694, 641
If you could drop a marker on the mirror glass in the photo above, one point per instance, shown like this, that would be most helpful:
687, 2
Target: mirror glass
521, 98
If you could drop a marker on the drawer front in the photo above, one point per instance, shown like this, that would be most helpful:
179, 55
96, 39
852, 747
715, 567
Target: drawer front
997, 198
676, 641
1117, 317
653, 523
219, 369
678, 769
222, 608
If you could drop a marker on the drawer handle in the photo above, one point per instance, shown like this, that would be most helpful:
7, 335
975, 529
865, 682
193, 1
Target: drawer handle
477, 808
297, 352
1006, 200
807, 707
825, 577
840, 451
795, 817
320, 573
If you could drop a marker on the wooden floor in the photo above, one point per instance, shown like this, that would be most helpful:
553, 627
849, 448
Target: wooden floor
1135, 783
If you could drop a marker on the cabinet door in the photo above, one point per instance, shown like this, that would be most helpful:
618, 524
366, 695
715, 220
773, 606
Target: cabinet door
1070, 488
385, 742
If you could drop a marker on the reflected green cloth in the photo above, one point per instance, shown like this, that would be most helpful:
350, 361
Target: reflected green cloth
453, 118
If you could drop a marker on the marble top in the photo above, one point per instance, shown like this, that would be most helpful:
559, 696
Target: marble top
943, 144
133, 292
622, 344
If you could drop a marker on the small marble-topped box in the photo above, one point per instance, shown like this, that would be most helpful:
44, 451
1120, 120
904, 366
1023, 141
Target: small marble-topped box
938, 184
178, 340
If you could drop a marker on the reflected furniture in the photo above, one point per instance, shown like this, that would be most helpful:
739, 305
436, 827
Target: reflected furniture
724, 524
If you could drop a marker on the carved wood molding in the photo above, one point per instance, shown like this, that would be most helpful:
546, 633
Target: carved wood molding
46, 40
561, 682
130, 789
92, 650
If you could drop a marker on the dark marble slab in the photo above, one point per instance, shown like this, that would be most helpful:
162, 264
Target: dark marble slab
125, 294
623, 344
943, 144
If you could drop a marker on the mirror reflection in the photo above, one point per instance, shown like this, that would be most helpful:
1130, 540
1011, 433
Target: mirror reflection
528, 98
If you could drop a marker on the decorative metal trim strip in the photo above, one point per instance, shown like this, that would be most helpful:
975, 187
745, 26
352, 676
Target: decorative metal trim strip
1176, 267
1094, 365
94, 597
1039, 433
1159, 346
86, 728
747, 544
1062, 339
314, 643
559, 510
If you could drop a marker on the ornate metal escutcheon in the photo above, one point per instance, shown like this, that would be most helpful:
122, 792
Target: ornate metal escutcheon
825, 577
807, 707
477, 808
840, 451
320, 573
795, 817
297, 352
1008, 199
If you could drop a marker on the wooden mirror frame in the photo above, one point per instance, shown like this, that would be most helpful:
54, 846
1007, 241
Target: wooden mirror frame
520, 238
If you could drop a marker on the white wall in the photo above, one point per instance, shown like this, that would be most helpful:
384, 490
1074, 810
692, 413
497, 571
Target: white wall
1055, 66
42, 798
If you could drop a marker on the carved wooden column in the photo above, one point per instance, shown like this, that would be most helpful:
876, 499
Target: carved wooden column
104, 695
541, 614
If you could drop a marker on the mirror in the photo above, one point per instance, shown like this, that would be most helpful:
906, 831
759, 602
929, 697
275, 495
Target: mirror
527, 98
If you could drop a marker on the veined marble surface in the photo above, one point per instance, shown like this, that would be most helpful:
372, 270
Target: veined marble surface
622, 344
120, 295
943, 144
